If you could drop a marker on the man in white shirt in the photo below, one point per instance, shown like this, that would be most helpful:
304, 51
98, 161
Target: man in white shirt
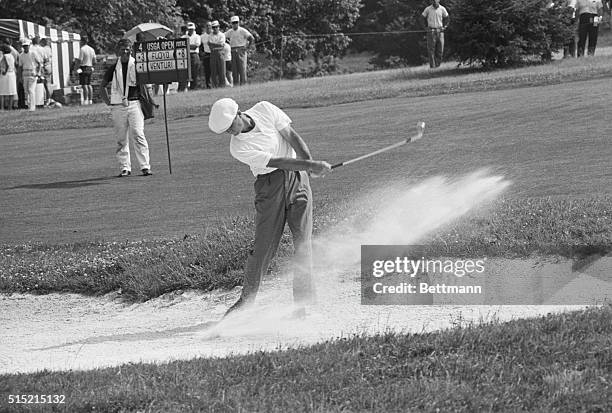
263, 138
87, 58
31, 65
240, 39
194, 50
216, 40
205, 55
435, 21
590, 14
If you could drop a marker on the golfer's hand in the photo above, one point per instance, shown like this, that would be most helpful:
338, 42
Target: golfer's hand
319, 169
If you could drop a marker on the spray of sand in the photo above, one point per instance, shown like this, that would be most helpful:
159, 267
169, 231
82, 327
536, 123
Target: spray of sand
395, 215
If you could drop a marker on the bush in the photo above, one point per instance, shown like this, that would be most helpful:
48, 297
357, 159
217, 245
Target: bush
499, 33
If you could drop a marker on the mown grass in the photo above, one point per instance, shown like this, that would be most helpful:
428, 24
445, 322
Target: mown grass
332, 90
556, 363
147, 269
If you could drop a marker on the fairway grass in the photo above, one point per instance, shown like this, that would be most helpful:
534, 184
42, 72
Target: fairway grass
557, 363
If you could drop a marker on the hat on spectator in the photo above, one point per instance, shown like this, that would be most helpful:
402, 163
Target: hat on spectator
235, 19
26, 42
215, 23
222, 115
190, 25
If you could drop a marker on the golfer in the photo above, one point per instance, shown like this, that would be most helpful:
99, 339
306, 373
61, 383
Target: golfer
262, 137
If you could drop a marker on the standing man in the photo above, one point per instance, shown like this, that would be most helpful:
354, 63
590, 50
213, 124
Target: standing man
87, 58
30, 67
216, 40
47, 69
125, 109
590, 14
569, 48
262, 137
435, 21
182, 86
240, 40
206, 52
194, 50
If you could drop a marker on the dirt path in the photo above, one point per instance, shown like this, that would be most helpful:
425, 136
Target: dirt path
67, 331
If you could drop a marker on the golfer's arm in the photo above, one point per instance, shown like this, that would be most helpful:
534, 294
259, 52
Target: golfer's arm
297, 143
292, 164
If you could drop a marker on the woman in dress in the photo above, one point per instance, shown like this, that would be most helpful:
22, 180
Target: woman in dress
8, 79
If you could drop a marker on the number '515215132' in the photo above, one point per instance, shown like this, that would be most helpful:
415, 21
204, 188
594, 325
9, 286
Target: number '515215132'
36, 398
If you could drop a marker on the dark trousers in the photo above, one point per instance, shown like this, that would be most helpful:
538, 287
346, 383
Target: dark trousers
206, 64
586, 29
195, 70
21, 101
281, 197
435, 46
217, 68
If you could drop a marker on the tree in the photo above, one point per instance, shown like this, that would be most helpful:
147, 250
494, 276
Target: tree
104, 24
497, 33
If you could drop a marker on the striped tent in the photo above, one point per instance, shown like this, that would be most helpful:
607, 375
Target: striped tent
64, 45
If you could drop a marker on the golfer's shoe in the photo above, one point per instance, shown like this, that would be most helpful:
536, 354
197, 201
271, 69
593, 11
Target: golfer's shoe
146, 172
123, 173
237, 307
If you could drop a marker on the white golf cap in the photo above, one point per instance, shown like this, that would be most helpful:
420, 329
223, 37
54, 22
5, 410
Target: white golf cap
234, 19
191, 25
222, 115
26, 42
215, 23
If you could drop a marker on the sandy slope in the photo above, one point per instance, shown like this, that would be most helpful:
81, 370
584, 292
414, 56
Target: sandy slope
67, 331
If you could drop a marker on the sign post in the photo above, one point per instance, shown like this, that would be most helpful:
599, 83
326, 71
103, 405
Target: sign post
163, 61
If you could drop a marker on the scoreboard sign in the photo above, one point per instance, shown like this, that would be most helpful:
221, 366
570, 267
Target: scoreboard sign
162, 61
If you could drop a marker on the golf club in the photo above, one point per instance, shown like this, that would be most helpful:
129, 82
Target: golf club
420, 128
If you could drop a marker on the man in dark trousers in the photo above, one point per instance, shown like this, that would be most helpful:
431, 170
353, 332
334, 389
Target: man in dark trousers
435, 21
590, 15
263, 138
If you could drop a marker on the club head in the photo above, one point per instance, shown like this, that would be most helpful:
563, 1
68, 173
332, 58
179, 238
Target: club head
420, 129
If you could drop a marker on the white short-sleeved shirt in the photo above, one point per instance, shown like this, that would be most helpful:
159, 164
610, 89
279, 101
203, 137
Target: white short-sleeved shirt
87, 55
227, 52
256, 147
588, 6
204, 40
218, 38
434, 16
195, 40
239, 37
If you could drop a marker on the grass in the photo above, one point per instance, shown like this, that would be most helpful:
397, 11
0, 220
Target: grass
556, 363
332, 90
147, 269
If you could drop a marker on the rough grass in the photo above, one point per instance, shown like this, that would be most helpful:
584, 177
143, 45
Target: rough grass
557, 363
147, 269
331, 90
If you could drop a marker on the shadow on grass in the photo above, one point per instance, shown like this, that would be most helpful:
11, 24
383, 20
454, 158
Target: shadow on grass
65, 184
144, 336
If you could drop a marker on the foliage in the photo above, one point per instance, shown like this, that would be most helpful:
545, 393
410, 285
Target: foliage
497, 33
103, 24
393, 49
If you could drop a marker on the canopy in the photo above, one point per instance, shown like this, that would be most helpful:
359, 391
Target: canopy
65, 46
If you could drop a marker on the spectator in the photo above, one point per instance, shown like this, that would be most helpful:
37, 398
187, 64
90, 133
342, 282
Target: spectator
435, 21
87, 58
206, 52
590, 14
15, 54
216, 40
194, 50
182, 86
227, 57
31, 66
8, 78
126, 111
240, 39
569, 49
47, 69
